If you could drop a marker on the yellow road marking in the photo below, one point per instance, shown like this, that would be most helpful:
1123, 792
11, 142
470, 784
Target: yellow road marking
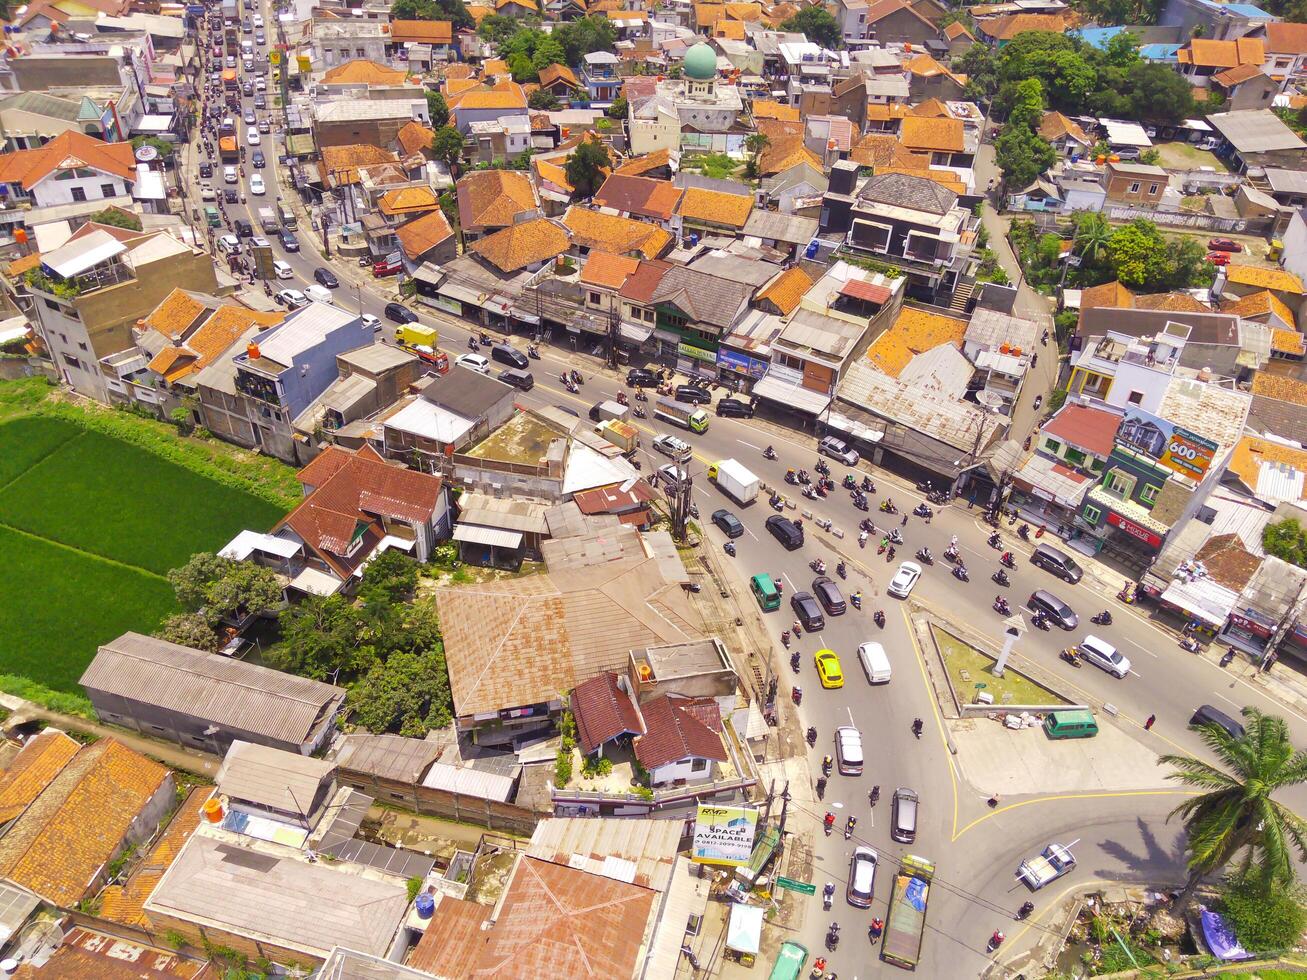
1060, 797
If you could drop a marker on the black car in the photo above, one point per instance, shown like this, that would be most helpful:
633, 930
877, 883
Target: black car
289, 242
325, 277
510, 355
641, 378
784, 530
728, 522
1042, 601
732, 406
808, 611
244, 229
230, 196
206, 170
1209, 715
259, 160
692, 395
1058, 562
399, 313
828, 594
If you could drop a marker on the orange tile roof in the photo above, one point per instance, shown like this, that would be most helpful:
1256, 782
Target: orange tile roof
512, 97
1250, 453
551, 172
957, 29
415, 138
459, 69
175, 313
214, 336
914, 332
69, 150
778, 129
31, 771
934, 134
650, 161
715, 207
786, 289
1007, 27
615, 234
885, 112
494, 66
340, 164
626, 15
1172, 302
926, 66
1280, 388
24, 262
522, 244
74, 828
1279, 280
454, 87
606, 269
408, 200
744, 11
1287, 342
422, 234
782, 154
493, 198
1110, 294
731, 30
877, 150
1054, 126
1285, 38
126, 903
478, 13
769, 109
554, 73
361, 71
707, 14
1205, 53
1237, 75
422, 31
930, 108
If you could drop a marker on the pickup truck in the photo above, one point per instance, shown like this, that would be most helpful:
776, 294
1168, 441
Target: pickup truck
1055, 861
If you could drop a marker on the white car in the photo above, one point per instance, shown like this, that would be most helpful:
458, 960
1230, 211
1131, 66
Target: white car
838, 449
671, 475
229, 175
904, 579
292, 299
474, 362
862, 877
848, 750
207, 193
371, 321
671, 446
229, 244
282, 269
1103, 655
252, 137
258, 21
257, 186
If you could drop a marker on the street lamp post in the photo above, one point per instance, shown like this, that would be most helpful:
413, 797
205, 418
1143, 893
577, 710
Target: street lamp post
1015, 627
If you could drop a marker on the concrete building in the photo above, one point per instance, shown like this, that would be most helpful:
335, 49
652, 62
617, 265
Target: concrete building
371, 122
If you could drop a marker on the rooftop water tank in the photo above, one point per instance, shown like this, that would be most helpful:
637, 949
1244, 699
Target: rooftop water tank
426, 905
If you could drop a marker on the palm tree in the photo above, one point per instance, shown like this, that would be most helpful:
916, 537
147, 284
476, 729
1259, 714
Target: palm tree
1093, 234
755, 143
1235, 812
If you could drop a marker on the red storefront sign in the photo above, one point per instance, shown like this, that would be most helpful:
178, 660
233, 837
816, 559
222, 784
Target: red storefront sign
1249, 625
1134, 530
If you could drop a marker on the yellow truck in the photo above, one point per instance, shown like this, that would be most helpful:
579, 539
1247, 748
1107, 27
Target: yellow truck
416, 335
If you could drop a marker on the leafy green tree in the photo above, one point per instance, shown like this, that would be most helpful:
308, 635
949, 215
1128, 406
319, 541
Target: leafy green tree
447, 147
548, 52
190, 630
585, 167
1022, 155
521, 67
408, 694
1267, 918
391, 576
191, 581
1027, 105
1093, 236
544, 100
755, 143
498, 28
438, 109
453, 11
581, 37
1287, 541
117, 218
1159, 93
618, 109
220, 588
819, 26
1234, 814
977, 63
320, 637
1137, 252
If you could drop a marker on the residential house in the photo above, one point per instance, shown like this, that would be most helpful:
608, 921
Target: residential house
360, 75
1066, 135
640, 197
428, 238
798, 189
692, 311
206, 701
435, 35
89, 293
998, 31
489, 200
1240, 279
526, 245
681, 740
371, 122
582, 617
1212, 19
337, 40
560, 82
928, 79
1049, 485
605, 712
599, 76
1286, 52
789, 234
1287, 187
602, 277
448, 415
29, 120
502, 102
1203, 57
368, 380
1002, 347
1080, 435
1135, 183
72, 175
944, 140
1257, 138
895, 22
958, 37
254, 397
69, 812
1245, 87
595, 230
709, 211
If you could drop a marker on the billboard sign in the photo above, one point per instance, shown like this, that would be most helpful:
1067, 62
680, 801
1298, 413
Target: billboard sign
724, 835
1172, 446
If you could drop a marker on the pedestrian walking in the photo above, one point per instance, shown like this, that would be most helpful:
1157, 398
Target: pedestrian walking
1148, 724
971, 502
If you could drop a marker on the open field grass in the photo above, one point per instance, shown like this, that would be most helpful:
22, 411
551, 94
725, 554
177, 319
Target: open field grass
89, 525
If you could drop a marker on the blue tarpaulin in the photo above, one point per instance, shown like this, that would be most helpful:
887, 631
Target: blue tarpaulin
1221, 939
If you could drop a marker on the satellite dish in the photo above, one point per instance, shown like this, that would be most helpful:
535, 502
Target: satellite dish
991, 400
146, 153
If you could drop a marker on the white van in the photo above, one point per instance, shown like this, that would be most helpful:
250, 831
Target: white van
282, 269
875, 662
1103, 655
320, 294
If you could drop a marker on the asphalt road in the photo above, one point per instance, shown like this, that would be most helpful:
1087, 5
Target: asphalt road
1123, 836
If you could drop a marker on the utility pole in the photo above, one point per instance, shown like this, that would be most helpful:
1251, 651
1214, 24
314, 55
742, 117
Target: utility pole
1291, 616
681, 496
785, 806
614, 319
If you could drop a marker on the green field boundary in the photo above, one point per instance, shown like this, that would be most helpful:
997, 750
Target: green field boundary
41, 459
83, 552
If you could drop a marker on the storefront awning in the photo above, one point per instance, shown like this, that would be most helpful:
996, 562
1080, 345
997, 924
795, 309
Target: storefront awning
635, 332
854, 428
464, 294
493, 536
744, 931
792, 394
1203, 599
520, 314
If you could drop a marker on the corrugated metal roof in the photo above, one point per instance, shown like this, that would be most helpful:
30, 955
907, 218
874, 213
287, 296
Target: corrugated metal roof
387, 756
470, 782
492, 536
645, 847
281, 780
227, 692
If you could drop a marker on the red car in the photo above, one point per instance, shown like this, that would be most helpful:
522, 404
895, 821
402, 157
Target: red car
1218, 258
1224, 245
386, 267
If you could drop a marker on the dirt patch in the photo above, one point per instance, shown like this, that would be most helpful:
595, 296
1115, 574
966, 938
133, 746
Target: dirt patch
524, 439
1186, 156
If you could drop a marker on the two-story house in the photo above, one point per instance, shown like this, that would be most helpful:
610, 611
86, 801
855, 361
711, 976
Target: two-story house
337, 40
1071, 452
1134, 183
505, 100
599, 76
71, 175
253, 397
1286, 52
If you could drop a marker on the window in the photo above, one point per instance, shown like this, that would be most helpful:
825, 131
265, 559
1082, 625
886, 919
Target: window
1052, 445
1149, 494
1092, 514
1136, 398
79, 193
72, 362
1133, 188
1119, 484
594, 298
871, 235
107, 190
1095, 464
81, 346
1074, 456
698, 765
1152, 188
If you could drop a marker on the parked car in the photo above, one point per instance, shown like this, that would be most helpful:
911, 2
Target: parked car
807, 611
386, 267
728, 522
671, 446
1043, 601
1058, 562
1218, 258
1224, 245
692, 395
325, 277
399, 313
641, 378
292, 299
734, 407
838, 449
671, 474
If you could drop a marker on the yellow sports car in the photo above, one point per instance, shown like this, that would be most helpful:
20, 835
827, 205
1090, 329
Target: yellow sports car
828, 668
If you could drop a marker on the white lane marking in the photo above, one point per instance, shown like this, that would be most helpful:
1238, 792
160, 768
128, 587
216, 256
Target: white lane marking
749, 444
1139, 646
1226, 700
750, 533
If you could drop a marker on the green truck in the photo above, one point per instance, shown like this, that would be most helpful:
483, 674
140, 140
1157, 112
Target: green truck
905, 924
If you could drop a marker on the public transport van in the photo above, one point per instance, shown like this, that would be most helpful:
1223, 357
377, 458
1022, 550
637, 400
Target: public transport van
765, 591
1070, 724
875, 662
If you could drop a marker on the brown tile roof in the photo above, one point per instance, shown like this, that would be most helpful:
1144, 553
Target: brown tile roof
778, 129
452, 939
408, 200
1279, 280
69, 150
785, 291
731, 30
782, 154
877, 150
1285, 38
361, 71
1250, 453
957, 29
31, 771
459, 69
674, 732
769, 109
644, 196
1172, 302
91, 955
914, 332
505, 95
878, 10
422, 31
493, 198
1008, 27
1238, 75
602, 711
214, 336
934, 134
355, 489
419, 236
125, 903
339, 164
650, 161
1054, 126
415, 138
1110, 294
554, 73
1280, 388
715, 207
175, 314
606, 269
1205, 53
1085, 427
24, 262
556, 921
1258, 304
79, 822
612, 233
1227, 561
643, 283
522, 244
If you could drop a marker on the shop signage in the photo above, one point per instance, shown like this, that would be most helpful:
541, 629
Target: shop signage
732, 361
1134, 530
1249, 625
696, 353
1176, 448
802, 887
724, 834
444, 303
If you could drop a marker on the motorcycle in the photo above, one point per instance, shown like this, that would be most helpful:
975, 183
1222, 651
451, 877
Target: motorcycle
794, 660
848, 827
879, 619
1101, 619
820, 489
570, 385
1190, 644
1024, 532
951, 554
1002, 608
810, 493
917, 727
849, 482
1127, 594
576, 375
1007, 561
995, 540
826, 764
842, 570
785, 639
960, 573
887, 507
769, 453
895, 537
485, 339
818, 566
534, 354
729, 548
792, 477
821, 787
1025, 910
860, 503
640, 413
867, 485
804, 478
640, 396
822, 467
812, 736
1068, 656
833, 936
875, 930
925, 557
827, 894
1227, 658
776, 502
797, 695
828, 822
996, 940
1040, 621
874, 796
921, 510
1000, 578
856, 599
